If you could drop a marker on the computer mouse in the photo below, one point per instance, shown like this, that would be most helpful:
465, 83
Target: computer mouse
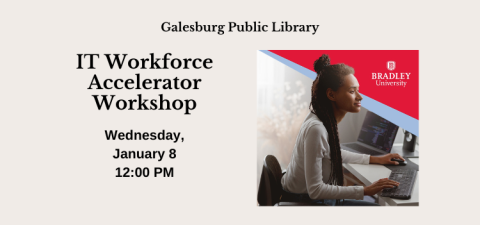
400, 162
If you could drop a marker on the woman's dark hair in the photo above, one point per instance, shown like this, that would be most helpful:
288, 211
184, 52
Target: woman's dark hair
329, 76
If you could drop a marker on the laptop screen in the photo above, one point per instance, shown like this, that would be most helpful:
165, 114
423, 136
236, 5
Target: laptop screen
378, 132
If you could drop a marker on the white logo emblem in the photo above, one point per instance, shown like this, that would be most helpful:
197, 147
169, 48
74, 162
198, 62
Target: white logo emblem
391, 65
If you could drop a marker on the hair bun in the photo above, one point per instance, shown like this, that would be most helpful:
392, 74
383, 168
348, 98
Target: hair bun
321, 63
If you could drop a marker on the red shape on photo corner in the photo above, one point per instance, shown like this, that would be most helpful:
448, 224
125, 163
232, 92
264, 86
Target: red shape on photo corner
365, 62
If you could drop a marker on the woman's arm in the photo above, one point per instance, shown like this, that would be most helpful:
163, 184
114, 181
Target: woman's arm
356, 158
316, 148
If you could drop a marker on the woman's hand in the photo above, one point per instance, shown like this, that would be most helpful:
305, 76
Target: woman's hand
385, 159
379, 185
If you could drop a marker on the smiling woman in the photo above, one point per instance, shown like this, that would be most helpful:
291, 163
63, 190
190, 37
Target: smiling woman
315, 171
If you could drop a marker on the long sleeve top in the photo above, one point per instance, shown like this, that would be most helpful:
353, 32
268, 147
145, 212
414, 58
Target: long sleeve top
309, 168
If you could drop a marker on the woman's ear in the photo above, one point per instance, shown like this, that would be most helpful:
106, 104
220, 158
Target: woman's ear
331, 94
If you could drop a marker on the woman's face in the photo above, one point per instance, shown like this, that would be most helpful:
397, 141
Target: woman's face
347, 98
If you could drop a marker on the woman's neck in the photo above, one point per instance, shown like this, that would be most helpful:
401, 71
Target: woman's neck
339, 114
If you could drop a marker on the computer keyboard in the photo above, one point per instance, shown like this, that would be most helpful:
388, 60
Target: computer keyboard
406, 178
362, 149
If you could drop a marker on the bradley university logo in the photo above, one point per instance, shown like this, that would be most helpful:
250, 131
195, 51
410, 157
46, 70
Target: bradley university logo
391, 79
391, 65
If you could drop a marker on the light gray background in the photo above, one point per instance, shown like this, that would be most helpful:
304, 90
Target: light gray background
57, 167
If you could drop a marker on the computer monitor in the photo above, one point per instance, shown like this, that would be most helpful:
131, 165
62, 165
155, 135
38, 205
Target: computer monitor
378, 132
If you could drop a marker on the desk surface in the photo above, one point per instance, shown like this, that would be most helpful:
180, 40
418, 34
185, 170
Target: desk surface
371, 173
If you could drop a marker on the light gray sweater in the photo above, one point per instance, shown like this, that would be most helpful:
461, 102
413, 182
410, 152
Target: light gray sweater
309, 168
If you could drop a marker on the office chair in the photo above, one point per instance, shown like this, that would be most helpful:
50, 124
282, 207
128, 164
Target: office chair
270, 191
